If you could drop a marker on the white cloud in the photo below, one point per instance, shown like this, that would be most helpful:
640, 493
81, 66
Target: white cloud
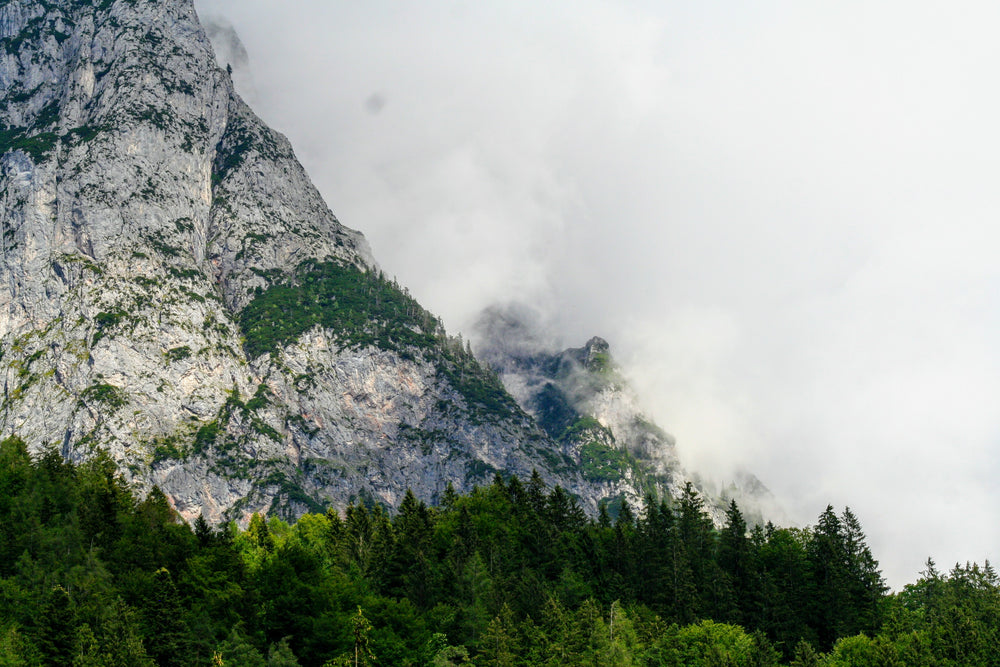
782, 216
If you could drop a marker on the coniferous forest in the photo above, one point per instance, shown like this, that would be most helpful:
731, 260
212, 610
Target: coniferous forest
513, 573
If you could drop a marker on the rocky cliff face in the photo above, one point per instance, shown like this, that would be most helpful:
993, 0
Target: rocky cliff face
583, 402
174, 290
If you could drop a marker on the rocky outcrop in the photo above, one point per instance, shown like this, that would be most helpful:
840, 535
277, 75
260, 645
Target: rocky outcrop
582, 400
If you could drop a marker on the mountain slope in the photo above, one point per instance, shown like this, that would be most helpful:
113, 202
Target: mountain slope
580, 397
174, 289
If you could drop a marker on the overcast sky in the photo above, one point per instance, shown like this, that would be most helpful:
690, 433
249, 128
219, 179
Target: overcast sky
782, 215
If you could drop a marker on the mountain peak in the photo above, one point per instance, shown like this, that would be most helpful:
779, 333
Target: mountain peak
598, 354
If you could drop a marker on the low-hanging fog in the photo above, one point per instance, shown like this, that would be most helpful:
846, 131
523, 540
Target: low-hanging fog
782, 215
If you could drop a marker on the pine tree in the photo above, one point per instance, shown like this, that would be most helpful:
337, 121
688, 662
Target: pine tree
559, 509
786, 586
734, 559
104, 497
623, 561
202, 531
805, 655
15, 649
259, 533
449, 497
123, 638
86, 652
536, 492
622, 640
237, 651
477, 591
695, 557
555, 624
656, 554
166, 633
828, 559
865, 585
603, 519
408, 571
56, 631
591, 635
499, 645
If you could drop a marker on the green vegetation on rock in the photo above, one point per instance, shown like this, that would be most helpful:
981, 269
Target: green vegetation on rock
240, 139
178, 353
36, 145
603, 463
104, 394
361, 307
582, 427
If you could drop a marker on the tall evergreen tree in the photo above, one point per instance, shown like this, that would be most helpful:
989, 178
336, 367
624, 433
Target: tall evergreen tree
500, 646
697, 558
829, 611
55, 632
164, 627
865, 584
734, 560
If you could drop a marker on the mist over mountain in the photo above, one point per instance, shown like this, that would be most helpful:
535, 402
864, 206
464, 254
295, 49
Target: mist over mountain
581, 395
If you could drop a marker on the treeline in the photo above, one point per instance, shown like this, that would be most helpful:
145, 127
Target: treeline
511, 574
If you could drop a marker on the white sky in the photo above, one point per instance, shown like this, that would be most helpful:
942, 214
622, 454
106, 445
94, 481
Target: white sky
783, 217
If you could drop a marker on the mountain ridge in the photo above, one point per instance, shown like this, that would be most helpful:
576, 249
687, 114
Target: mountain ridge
174, 290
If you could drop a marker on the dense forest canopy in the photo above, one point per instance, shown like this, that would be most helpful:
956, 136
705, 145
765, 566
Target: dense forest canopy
513, 573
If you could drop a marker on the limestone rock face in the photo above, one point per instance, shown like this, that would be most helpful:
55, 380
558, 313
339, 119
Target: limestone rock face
174, 290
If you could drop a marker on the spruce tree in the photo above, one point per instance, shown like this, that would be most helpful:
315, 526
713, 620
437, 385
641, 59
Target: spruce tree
165, 630
828, 559
55, 632
865, 585
734, 560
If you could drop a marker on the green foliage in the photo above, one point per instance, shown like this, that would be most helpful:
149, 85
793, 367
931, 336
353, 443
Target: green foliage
160, 117
360, 307
482, 389
36, 145
178, 353
105, 394
40, 144
583, 424
603, 463
105, 322
553, 410
169, 448
600, 461
600, 362
705, 644
240, 139
509, 574
85, 133
206, 436
261, 399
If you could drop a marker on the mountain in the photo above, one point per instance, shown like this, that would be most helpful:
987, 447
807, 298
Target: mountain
174, 291
583, 401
